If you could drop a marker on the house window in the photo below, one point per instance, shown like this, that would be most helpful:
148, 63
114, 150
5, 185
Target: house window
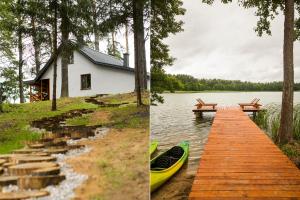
86, 81
71, 58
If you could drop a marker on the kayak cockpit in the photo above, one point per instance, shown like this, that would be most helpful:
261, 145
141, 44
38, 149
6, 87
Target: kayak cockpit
167, 159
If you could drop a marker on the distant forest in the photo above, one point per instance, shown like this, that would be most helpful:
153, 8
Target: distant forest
183, 82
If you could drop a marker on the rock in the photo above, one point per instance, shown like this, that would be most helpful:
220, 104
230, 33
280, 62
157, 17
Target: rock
46, 171
23, 195
38, 182
36, 146
26, 151
8, 164
31, 159
2, 161
28, 168
8, 180
56, 151
1, 170
75, 146
5, 157
13, 196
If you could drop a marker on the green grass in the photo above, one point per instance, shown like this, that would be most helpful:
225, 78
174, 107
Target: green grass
79, 121
15, 121
125, 116
269, 119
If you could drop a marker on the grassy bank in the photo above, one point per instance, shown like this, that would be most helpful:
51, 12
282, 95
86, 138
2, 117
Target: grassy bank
15, 121
125, 116
118, 163
269, 120
214, 91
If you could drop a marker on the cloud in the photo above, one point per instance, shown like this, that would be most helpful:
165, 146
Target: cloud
219, 41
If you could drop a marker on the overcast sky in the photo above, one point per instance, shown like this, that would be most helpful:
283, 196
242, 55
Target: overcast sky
219, 41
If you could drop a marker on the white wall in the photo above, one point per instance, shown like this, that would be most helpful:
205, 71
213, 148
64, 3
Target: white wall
104, 80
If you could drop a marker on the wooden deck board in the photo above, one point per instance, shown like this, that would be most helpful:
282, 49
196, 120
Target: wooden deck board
240, 162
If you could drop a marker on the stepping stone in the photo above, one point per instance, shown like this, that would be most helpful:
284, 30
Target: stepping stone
26, 151
28, 168
23, 195
2, 161
46, 139
46, 171
8, 180
56, 151
59, 142
38, 182
36, 146
31, 159
5, 157
8, 164
13, 196
75, 146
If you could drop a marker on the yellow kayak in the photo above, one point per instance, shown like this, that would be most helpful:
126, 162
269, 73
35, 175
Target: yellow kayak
165, 165
153, 146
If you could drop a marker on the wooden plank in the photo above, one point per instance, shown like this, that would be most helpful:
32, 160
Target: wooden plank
240, 162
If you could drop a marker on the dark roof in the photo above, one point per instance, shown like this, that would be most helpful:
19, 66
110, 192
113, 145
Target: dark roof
94, 56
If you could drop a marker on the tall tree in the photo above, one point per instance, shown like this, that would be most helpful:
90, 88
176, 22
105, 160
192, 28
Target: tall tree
55, 53
133, 12
285, 133
139, 46
266, 11
65, 32
76, 22
20, 32
164, 22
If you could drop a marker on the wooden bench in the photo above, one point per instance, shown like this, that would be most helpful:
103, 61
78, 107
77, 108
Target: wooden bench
254, 103
201, 104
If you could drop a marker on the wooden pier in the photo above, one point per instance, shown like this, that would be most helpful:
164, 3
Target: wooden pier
241, 162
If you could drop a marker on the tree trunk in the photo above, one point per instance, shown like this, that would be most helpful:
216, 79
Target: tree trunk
54, 106
36, 45
126, 37
139, 47
285, 133
20, 63
113, 43
65, 51
1, 102
96, 33
97, 39
140, 37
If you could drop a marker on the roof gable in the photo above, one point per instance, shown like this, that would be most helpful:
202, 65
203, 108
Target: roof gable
93, 56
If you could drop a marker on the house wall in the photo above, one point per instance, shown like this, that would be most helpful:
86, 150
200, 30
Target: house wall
104, 80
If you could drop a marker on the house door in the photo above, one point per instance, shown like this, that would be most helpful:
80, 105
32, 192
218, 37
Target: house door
45, 89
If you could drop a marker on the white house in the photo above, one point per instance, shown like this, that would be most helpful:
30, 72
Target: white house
90, 73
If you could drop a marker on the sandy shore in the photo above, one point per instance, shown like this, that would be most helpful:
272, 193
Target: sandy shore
117, 166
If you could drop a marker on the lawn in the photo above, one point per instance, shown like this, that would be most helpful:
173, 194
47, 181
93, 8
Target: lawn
16, 119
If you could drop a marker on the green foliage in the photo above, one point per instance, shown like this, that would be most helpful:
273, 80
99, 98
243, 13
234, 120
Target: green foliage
15, 120
167, 82
10, 85
269, 119
164, 22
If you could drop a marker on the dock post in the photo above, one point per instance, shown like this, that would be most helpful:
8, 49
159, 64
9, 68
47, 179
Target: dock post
254, 114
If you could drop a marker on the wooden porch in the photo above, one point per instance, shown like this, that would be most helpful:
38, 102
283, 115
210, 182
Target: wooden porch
39, 90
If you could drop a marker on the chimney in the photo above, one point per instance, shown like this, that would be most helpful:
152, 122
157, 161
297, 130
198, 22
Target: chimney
126, 59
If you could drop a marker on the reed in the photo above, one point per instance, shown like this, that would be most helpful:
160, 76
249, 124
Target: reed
269, 120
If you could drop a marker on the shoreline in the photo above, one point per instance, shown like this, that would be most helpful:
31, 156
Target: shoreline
214, 91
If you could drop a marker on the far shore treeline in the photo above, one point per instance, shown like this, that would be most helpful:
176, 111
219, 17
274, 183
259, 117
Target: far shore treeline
182, 82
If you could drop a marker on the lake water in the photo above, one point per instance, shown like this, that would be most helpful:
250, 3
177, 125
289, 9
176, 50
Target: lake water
174, 121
